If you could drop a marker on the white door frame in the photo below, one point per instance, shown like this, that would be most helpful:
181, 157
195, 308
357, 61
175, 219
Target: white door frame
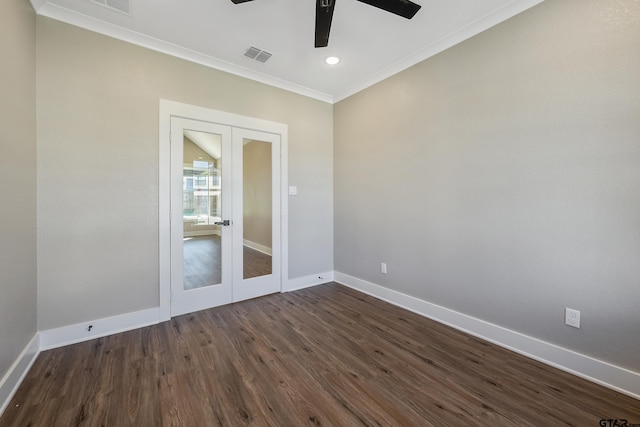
170, 109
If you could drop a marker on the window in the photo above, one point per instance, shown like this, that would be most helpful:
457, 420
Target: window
201, 193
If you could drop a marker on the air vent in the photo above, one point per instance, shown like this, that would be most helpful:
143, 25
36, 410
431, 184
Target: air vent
257, 54
119, 5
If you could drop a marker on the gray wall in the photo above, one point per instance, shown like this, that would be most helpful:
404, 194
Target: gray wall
98, 168
17, 180
501, 178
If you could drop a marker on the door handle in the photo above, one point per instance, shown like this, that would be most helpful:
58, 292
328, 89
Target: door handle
225, 222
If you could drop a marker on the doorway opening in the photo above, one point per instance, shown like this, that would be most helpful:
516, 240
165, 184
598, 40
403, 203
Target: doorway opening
223, 238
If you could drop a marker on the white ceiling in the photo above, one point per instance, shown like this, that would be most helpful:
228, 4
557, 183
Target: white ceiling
372, 44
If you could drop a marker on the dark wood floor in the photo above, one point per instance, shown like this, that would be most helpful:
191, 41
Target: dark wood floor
325, 355
202, 262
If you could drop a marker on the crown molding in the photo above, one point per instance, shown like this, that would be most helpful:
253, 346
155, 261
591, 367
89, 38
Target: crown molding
44, 8
489, 20
47, 9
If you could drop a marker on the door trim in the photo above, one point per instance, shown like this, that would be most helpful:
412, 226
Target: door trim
170, 109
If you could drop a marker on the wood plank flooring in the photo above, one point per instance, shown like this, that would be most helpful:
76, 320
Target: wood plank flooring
202, 262
322, 356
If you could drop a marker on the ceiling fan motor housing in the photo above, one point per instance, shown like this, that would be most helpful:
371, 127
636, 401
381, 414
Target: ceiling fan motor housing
324, 14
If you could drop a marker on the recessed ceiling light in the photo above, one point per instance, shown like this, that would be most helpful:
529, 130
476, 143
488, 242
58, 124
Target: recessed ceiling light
332, 60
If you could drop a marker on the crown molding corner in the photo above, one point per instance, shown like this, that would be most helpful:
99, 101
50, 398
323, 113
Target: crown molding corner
37, 4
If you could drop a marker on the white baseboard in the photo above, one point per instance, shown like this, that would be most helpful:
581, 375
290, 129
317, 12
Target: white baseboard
13, 378
307, 281
603, 373
58, 337
257, 246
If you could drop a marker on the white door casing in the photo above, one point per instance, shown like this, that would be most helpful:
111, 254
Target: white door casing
242, 127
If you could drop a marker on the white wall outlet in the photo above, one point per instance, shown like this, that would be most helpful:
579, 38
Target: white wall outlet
383, 267
572, 317
293, 190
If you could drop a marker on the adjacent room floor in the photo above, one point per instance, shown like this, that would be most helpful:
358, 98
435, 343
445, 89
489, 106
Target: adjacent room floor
202, 262
325, 355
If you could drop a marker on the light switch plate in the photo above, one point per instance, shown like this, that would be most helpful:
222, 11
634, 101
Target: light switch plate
293, 190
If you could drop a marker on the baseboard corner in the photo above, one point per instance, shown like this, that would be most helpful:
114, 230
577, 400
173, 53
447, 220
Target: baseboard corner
16, 373
308, 281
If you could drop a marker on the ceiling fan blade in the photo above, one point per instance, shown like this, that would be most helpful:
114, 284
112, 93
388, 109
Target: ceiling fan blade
324, 15
405, 8
240, 1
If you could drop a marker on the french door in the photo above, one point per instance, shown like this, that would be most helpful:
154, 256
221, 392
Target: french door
225, 214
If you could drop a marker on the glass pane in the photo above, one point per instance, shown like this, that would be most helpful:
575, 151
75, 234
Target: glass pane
201, 208
257, 221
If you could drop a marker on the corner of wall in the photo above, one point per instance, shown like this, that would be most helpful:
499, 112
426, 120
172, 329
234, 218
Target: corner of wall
307, 281
13, 378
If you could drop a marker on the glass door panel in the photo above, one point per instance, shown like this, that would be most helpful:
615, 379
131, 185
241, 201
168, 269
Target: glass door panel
257, 208
201, 209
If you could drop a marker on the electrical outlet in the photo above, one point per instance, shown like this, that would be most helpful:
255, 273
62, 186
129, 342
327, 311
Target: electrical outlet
383, 267
572, 317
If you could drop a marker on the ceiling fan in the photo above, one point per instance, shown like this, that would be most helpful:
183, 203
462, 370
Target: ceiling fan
324, 14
